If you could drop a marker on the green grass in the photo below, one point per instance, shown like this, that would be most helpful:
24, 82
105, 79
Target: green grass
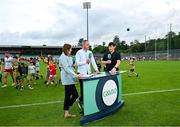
145, 109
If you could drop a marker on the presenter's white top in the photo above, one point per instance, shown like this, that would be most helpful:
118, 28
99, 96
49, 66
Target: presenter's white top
8, 63
81, 57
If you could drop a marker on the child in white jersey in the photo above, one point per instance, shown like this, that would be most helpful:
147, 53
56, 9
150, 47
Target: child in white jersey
8, 68
32, 72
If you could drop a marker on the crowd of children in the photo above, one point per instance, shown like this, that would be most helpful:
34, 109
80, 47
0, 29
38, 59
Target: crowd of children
24, 70
21, 70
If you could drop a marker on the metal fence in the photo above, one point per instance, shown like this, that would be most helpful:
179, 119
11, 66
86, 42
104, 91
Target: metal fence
159, 55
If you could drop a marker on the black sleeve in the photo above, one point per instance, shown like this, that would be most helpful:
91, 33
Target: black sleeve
105, 57
118, 56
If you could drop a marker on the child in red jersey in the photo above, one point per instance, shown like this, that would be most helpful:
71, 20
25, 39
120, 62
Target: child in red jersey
52, 72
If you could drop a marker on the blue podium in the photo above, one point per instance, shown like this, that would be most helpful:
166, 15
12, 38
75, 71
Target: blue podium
102, 96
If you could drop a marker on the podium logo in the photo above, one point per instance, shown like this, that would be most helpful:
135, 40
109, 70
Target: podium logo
109, 93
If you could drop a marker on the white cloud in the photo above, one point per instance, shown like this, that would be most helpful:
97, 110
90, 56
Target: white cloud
54, 22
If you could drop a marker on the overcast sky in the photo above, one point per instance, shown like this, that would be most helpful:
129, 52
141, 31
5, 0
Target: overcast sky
54, 22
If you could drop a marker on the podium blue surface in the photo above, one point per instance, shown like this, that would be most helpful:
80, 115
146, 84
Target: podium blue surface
102, 96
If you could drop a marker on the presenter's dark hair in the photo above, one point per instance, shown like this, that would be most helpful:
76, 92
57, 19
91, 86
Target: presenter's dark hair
112, 44
66, 48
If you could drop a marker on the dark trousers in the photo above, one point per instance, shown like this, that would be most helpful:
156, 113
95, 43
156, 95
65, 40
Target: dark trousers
71, 95
0, 77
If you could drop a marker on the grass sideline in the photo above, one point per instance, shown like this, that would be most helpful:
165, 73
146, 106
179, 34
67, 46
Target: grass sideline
153, 109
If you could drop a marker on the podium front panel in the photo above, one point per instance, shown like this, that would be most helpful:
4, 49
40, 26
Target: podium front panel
102, 96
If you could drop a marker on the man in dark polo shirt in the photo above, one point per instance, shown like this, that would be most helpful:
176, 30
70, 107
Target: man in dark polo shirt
112, 59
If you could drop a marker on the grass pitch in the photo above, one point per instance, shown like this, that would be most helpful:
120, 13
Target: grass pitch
43, 106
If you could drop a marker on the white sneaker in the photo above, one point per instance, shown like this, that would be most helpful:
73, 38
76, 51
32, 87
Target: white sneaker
51, 83
13, 84
4, 86
29, 87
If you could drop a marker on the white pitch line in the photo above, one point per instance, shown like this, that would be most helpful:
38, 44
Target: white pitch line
33, 104
148, 92
55, 102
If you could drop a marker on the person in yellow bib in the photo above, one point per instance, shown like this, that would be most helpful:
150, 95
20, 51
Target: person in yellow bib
132, 67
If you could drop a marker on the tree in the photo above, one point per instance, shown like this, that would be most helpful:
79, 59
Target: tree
136, 46
116, 40
90, 48
123, 46
80, 41
100, 49
104, 43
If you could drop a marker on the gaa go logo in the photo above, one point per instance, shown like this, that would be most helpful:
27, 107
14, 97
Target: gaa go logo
109, 92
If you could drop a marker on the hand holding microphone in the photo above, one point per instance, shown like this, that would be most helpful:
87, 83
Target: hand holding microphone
88, 61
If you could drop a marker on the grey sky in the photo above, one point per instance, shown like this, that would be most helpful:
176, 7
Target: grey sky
54, 22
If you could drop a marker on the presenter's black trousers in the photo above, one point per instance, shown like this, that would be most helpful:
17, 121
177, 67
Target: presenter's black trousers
71, 95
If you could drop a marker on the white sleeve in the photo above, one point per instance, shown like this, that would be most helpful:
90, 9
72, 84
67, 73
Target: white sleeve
78, 60
65, 66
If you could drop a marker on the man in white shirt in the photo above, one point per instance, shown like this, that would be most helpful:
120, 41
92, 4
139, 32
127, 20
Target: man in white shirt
84, 59
8, 68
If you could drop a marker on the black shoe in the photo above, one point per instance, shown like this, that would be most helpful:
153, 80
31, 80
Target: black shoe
17, 87
81, 112
137, 75
45, 82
